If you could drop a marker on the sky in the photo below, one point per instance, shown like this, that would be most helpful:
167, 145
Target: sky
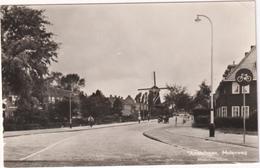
116, 47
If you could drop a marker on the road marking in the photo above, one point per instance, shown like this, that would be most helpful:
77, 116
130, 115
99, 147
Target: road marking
46, 148
56, 143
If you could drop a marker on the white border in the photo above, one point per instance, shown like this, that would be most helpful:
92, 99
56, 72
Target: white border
39, 2
8, 2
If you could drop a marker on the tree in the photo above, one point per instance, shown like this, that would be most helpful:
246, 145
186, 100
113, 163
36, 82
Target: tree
144, 98
54, 79
202, 96
67, 82
98, 105
118, 107
60, 111
72, 82
138, 97
178, 98
84, 105
27, 51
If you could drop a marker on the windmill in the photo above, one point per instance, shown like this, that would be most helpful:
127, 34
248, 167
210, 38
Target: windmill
154, 96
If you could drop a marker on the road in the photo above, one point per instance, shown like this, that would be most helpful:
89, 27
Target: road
121, 145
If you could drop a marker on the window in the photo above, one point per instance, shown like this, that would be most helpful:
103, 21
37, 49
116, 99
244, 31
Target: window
235, 88
235, 111
218, 114
51, 99
246, 111
245, 89
224, 111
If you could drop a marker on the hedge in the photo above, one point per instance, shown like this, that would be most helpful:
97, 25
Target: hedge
251, 122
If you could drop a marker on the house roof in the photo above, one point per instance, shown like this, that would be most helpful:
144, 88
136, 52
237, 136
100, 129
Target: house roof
200, 107
129, 100
249, 62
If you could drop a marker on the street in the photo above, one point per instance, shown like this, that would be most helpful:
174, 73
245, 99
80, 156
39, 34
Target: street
120, 145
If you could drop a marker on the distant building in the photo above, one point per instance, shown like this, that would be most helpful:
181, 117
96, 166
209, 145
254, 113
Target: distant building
229, 94
112, 100
53, 95
129, 106
57, 94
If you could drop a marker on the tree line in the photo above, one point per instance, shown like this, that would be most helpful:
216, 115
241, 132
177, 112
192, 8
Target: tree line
179, 99
82, 105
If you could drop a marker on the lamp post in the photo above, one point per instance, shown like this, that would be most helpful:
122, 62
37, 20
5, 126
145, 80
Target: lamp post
70, 111
212, 125
70, 96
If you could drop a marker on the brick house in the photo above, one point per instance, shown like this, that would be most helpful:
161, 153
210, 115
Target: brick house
228, 98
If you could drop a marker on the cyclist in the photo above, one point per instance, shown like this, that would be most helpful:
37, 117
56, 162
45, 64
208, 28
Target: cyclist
91, 121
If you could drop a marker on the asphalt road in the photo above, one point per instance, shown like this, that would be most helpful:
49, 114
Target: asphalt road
122, 145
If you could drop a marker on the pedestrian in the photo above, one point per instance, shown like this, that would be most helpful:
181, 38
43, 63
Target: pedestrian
91, 121
139, 119
164, 119
176, 120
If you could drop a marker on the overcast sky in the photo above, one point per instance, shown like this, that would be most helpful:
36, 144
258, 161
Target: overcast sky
116, 47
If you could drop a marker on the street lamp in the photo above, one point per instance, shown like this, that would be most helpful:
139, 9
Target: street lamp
70, 110
70, 97
212, 125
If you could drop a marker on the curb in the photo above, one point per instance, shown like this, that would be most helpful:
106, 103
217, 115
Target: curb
207, 139
154, 138
71, 130
219, 141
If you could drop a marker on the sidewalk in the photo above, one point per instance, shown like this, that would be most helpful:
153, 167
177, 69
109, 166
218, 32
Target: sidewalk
236, 139
186, 130
64, 129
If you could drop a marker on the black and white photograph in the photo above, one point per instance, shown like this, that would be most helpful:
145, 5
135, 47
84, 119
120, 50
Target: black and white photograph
129, 83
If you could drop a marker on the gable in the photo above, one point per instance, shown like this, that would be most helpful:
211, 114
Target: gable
248, 62
129, 100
